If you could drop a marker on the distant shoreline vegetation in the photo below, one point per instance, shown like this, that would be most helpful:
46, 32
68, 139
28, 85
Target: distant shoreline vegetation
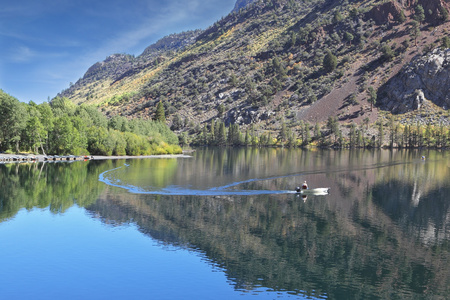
61, 128
385, 133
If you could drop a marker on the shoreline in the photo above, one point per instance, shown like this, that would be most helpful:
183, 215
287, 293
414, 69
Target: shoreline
11, 158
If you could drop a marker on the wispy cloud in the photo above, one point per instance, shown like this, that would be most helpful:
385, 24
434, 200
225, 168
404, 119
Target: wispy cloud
172, 16
22, 54
50, 43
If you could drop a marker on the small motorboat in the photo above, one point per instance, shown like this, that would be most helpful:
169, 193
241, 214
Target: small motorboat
316, 191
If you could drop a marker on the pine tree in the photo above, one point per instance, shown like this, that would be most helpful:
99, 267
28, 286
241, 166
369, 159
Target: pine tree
212, 133
372, 97
419, 15
415, 31
283, 132
329, 62
160, 114
380, 133
222, 135
317, 132
353, 135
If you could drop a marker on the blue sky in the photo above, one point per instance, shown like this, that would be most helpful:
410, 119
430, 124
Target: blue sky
46, 44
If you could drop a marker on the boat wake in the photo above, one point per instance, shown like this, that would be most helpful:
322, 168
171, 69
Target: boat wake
232, 188
183, 191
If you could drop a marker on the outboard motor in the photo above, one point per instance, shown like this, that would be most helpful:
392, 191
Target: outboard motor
297, 189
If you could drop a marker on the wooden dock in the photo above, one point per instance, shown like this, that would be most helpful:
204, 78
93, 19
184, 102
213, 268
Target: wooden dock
21, 158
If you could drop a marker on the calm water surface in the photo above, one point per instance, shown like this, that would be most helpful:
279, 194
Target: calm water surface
225, 224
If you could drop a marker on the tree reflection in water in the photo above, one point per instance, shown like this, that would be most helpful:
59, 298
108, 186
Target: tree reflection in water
381, 233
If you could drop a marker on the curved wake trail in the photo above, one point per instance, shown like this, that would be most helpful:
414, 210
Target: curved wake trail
228, 189
181, 191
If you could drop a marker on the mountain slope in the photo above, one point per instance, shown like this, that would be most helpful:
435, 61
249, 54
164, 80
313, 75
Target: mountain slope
264, 64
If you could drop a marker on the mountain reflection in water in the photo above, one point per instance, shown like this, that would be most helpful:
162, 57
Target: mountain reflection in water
382, 233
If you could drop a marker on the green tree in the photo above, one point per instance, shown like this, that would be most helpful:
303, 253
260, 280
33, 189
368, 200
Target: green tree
372, 97
134, 144
414, 31
46, 119
119, 123
337, 17
333, 126
443, 12
307, 138
212, 132
64, 137
234, 135
233, 81
13, 117
183, 139
220, 110
118, 142
401, 17
317, 132
353, 135
247, 138
35, 134
293, 39
283, 133
160, 114
329, 62
222, 135
387, 54
380, 134
360, 139
419, 14
348, 37
393, 132
445, 42
91, 116
62, 106
177, 122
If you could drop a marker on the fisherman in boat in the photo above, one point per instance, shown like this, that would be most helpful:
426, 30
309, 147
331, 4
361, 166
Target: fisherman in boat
304, 187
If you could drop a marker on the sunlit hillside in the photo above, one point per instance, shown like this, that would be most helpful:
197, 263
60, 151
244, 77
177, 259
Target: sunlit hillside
272, 62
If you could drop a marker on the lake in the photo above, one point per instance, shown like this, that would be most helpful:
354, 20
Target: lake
227, 224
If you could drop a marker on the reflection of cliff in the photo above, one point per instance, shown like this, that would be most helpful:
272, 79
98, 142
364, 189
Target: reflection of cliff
423, 214
401, 184
372, 237
56, 185
279, 242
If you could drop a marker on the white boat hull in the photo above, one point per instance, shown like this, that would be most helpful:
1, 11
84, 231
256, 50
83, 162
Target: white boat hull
316, 191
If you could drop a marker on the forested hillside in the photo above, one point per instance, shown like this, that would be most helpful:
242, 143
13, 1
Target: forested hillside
288, 69
63, 128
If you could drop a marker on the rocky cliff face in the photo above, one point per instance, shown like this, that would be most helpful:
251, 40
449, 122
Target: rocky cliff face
118, 66
426, 78
263, 64
434, 10
241, 4
388, 12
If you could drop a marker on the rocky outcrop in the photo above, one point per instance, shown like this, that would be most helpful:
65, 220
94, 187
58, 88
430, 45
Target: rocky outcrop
247, 116
434, 10
112, 66
241, 4
172, 42
388, 12
426, 78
